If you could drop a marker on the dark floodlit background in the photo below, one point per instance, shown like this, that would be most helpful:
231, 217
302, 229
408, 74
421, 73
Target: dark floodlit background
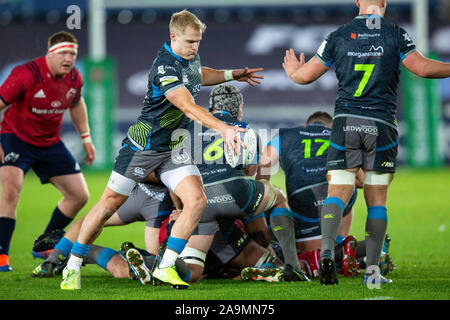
252, 33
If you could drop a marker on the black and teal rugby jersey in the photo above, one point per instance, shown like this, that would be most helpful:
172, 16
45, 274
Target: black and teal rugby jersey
207, 150
302, 155
159, 118
366, 53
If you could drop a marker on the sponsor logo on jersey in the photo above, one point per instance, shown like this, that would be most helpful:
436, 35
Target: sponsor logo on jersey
40, 94
372, 130
161, 70
151, 193
325, 132
55, 104
46, 111
373, 52
407, 37
319, 203
225, 198
71, 93
365, 36
167, 80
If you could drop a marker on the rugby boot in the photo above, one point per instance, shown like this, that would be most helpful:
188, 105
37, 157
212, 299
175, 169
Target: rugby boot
44, 270
47, 241
327, 271
4, 263
61, 264
125, 247
71, 279
350, 267
159, 255
262, 274
168, 276
386, 264
41, 254
311, 260
137, 264
386, 244
290, 274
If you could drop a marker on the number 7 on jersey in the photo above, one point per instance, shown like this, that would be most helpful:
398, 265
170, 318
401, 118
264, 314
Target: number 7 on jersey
368, 69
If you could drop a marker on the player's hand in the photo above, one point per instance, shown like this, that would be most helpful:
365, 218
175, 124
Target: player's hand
231, 140
248, 75
90, 153
291, 64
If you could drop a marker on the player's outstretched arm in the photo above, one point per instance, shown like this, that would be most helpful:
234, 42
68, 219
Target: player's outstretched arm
78, 113
426, 68
299, 71
183, 100
212, 77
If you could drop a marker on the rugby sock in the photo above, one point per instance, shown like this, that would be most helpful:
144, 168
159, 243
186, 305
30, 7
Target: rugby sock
361, 249
78, 253
339, 239
7, 226
100, 255
330, 222
376, 226
58, 221
173, 249
282, 223
63, 248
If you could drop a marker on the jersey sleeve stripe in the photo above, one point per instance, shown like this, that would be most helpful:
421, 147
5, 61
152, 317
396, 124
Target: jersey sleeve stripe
328, 64
404, 55
33, 73
38, 73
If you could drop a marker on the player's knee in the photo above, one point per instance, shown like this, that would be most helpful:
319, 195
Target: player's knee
83, 197
11, 193
11, 188
195, 261
195, 204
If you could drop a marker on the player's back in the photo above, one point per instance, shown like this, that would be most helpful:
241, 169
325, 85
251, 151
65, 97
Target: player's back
303, 155
367, 53
207, 150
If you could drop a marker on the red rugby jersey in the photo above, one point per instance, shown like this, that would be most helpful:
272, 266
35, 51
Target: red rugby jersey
38, 102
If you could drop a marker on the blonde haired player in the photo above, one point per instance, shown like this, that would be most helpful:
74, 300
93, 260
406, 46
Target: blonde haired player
175, 79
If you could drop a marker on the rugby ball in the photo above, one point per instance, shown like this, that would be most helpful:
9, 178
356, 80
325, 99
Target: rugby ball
247, 155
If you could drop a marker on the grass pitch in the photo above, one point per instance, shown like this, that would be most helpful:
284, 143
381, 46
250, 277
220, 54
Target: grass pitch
419, 224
